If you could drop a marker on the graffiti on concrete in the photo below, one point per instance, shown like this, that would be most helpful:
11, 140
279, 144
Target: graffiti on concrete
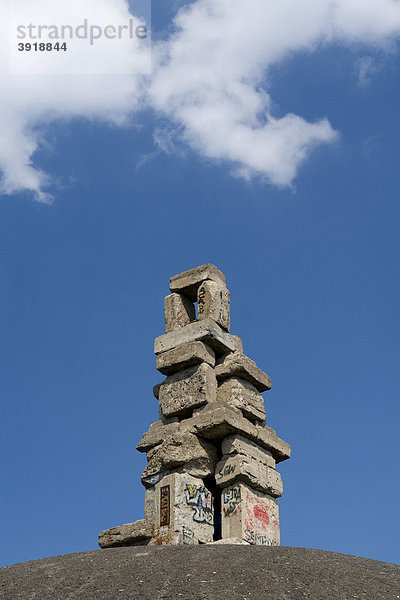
200, 499
258, 539
164, 505
153, 479
227, 470
187, 536
257, 513
261, 513
231, 501
200, 300
261, 524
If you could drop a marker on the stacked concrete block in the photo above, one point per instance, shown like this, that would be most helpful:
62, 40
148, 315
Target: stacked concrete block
242, 395
180, 449
211, 458
185, 356
186, 390
178, 312
245, 461
214, 302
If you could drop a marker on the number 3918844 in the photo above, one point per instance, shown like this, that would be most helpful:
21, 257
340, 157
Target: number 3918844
42, 47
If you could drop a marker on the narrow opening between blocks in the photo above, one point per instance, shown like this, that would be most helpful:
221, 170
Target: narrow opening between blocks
215, 491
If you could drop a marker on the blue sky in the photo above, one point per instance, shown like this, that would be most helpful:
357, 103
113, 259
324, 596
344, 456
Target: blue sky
311, 263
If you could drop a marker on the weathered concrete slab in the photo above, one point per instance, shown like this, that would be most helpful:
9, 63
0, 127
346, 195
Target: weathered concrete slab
214, 302
243, 395
233, 468
188, 282
204, 331
184, 511
181, 450
178, 312
215, 422
239, 365
250, 515
128, 534
182, 392
237, 444
156, 434
184, 356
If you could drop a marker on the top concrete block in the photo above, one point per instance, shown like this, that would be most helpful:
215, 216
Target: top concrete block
204, 331
188, 282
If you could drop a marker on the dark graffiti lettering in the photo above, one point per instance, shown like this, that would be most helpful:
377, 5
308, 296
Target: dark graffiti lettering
200, 499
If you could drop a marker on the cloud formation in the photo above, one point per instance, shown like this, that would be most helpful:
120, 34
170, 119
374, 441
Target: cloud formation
38, 88
209, 79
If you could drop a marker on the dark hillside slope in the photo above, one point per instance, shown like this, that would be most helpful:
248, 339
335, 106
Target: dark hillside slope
201, 573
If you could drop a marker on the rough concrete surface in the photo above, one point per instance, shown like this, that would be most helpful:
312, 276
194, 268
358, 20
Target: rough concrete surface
240, 365
178, 312
201, 573
213, 302
243, 395
156, 434
184, 356
180, 449
182, 392
223, 420
217, 423
244, 468
236, 444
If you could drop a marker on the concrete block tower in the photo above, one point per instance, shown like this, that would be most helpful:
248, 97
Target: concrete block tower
210, 474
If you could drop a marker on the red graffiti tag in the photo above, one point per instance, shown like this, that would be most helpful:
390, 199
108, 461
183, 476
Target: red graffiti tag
260, 513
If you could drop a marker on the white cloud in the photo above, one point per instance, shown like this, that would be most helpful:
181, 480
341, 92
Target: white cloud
210, 81
213, 80
40, 87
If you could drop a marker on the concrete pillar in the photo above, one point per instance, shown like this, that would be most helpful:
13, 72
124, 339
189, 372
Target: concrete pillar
249, 515
182, 509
